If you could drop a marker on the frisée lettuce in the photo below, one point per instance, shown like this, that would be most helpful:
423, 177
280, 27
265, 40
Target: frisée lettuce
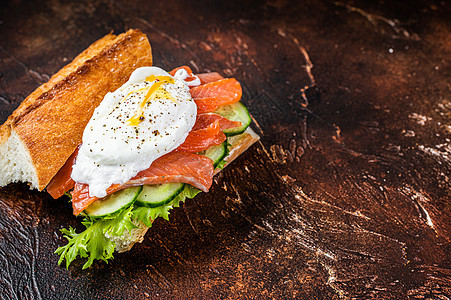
96, 242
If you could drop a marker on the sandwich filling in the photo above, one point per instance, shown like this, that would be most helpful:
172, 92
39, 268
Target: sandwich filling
148, 117
199, 115
210, 92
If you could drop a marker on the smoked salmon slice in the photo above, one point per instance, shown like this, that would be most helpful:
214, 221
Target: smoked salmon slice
214, 90
205, 105
209, 77
62, 182
206, 132
203, 120
202, 139
210, 96
189, 168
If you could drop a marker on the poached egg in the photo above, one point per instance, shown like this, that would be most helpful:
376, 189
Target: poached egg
147, 117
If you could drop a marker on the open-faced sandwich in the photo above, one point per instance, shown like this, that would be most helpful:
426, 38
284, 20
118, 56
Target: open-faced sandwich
126, 141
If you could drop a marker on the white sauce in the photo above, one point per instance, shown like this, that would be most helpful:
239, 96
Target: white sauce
113, 151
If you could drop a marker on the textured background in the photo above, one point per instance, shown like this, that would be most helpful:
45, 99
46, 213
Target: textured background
347, 195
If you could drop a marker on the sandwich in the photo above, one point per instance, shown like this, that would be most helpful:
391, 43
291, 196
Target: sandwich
124, 140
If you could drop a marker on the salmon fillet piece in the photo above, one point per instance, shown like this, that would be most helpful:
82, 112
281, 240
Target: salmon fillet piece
188, 168
202, 139
62, 182
206, 132
209, 77
203, 120
210, 96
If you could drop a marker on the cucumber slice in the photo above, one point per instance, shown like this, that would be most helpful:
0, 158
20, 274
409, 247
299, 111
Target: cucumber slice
216, 153
159, 194
235, 112
113, 202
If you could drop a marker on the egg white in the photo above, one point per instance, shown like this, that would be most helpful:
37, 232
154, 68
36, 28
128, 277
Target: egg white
113, 151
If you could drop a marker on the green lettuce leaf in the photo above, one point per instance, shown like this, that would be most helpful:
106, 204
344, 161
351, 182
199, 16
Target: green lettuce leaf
221, 164
93, 243
189, 192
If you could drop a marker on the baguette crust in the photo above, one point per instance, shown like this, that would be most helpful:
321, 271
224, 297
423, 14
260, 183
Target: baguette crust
51, 120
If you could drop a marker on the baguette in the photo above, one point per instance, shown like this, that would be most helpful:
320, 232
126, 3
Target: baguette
42, 133
39, 137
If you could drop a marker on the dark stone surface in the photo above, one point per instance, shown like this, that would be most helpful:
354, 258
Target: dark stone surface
346, 196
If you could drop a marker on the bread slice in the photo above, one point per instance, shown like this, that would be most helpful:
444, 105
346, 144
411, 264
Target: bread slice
41, 134
239, 144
